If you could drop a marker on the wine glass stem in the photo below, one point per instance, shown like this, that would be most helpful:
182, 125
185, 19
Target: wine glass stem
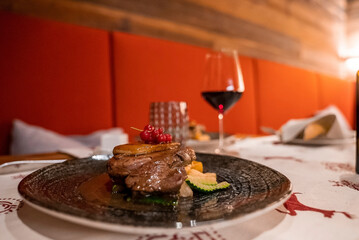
220, 128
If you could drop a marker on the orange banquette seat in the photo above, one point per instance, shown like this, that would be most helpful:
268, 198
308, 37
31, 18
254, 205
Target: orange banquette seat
53, 75
75, 80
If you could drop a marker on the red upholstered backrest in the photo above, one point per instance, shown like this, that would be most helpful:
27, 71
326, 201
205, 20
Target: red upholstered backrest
148, 70
54, 75
338, 92
59, 76
284, 92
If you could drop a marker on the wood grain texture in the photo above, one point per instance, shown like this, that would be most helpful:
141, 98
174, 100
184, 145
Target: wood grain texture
302, 33
352, 28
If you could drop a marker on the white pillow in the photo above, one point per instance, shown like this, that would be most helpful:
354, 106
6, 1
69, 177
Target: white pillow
29, 139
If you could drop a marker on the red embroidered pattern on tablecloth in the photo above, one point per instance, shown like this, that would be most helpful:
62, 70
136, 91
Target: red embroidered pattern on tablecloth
283, 158
8, 205
199, 235
345, 183
293, 205
338, 167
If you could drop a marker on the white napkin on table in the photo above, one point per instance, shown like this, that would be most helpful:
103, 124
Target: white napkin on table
30, 139
334, 124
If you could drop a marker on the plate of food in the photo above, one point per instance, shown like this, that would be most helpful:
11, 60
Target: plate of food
148, 188
323, 129
204, 141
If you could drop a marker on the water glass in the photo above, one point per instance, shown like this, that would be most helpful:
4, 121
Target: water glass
172, 117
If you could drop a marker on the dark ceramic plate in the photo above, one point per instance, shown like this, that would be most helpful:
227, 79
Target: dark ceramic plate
80, 191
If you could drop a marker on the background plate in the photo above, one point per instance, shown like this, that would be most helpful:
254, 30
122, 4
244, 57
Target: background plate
80, 191
210, 145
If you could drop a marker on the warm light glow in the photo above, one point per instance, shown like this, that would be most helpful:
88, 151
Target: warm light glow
220, 107
351, 52
352, 64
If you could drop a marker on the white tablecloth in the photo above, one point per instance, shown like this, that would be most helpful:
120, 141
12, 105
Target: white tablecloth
324, 203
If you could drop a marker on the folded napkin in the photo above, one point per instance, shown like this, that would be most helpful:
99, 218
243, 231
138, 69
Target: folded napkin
30, 139
326, 124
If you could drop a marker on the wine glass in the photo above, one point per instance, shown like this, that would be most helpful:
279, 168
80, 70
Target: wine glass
223, 84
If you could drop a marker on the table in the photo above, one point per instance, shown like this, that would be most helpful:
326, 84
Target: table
40, 156
324, 203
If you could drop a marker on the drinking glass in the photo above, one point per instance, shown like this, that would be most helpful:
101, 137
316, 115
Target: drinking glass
223, 84
172, 117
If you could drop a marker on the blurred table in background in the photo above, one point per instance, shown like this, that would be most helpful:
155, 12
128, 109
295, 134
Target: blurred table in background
40, 156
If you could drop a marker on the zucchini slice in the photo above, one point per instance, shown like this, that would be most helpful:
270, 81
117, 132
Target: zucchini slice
198, 185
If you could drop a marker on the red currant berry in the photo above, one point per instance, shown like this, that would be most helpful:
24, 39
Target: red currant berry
150, 139
168, 138
155, 133
145, 135
161, 138
160, 130
149, 127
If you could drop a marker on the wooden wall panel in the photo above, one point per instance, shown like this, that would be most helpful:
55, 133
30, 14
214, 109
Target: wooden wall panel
353, 28
302, 33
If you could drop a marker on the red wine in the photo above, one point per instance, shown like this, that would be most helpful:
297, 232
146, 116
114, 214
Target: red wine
221, 100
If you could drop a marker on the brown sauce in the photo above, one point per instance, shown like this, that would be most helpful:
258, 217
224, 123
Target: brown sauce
98, 190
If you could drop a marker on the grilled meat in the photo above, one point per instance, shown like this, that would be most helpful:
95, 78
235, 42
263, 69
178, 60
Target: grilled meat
146, 169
